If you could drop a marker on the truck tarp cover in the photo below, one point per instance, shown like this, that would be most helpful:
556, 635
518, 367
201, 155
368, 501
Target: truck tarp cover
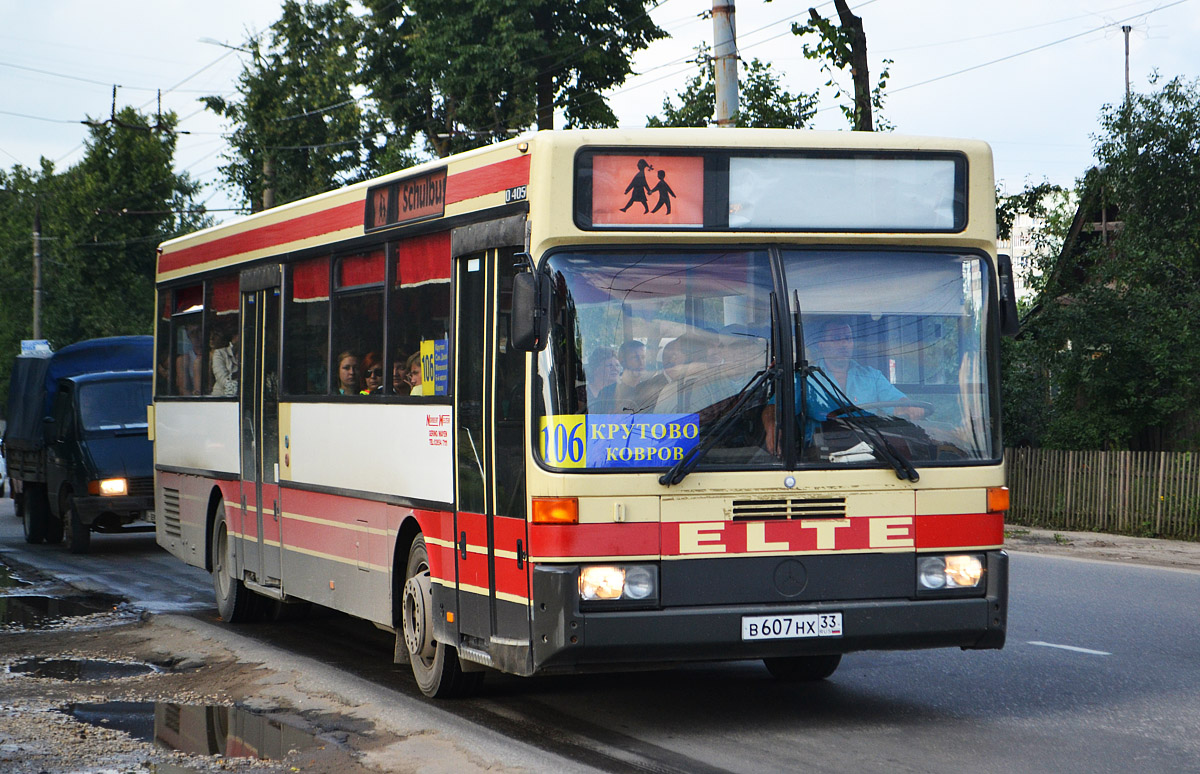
25, 410
35, 379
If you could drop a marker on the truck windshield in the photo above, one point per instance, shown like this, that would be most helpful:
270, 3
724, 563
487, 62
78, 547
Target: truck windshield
650, 350
117, 405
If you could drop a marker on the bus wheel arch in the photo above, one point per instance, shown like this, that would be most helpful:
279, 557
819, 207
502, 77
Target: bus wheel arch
215, 498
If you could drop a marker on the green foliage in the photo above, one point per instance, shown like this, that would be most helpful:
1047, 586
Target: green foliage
762, 100
101, 222
457, 74
834, 50
1112, 352
297, 128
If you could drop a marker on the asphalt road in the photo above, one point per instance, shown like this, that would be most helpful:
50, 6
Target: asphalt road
1101, 673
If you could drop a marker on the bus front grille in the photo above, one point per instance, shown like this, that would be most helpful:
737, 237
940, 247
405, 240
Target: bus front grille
790, 508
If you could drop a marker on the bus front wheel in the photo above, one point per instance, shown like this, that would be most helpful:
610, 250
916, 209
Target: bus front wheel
803, 669
434, 664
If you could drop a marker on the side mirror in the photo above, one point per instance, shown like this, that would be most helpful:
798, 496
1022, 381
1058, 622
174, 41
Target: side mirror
530, 312
1010, 323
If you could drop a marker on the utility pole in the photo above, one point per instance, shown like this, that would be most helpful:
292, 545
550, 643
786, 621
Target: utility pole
1126, 29
37, 271
726, 71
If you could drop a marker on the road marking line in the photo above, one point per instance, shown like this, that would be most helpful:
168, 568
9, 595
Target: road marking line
1089, 651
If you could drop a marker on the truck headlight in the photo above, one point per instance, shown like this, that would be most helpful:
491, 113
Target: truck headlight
109, 487
618, 583
952, 571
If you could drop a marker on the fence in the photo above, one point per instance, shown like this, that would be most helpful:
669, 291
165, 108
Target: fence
1135, 493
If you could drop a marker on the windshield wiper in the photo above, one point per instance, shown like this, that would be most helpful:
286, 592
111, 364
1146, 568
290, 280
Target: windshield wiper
716, 431
852, 416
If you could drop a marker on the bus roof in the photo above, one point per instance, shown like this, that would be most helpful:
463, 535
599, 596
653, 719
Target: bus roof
484, 179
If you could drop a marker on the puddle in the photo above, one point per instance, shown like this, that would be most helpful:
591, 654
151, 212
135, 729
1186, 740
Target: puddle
73, 669
8, 580
36, 611
199, 729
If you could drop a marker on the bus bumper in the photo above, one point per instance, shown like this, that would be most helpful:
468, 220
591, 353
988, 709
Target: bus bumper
572, 639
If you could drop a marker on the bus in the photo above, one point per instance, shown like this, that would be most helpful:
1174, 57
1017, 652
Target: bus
603, 399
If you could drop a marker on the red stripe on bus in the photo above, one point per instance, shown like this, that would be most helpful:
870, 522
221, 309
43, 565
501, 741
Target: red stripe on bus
583, 540
960, 530
510, 538
275, 235
490, 179
460, 187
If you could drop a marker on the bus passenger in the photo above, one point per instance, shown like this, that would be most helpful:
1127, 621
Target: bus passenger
400, 385
349, 374
373, 374
416, 384
603, 369
690, 378
622, 396
224, 363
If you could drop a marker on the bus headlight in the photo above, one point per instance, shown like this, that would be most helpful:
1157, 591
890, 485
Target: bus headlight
952, 571
618, 583
109, 487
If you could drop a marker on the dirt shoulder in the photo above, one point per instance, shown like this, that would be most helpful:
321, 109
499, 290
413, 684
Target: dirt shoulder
1175, 554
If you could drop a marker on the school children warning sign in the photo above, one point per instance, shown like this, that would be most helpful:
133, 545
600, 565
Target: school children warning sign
647, 191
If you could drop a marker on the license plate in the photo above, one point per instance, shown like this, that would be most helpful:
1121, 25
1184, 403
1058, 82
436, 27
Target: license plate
789, 627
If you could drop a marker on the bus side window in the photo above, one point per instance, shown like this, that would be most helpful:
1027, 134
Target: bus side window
306, 328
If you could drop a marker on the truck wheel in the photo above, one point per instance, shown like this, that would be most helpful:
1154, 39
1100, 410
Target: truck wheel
36, 513
76, 534
434, 664
803, 669
235, 602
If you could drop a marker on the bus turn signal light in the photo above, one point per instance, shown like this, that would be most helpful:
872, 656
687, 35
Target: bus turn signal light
555, 510
997, 499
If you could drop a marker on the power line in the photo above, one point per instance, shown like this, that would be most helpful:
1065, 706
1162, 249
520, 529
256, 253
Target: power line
1035, 48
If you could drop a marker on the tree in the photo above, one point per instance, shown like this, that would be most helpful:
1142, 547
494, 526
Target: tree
457, 74
762, 100
298, 129
1115, 336
839, 48
101, 223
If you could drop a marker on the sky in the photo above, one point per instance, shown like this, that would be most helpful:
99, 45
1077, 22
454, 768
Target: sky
1030, 77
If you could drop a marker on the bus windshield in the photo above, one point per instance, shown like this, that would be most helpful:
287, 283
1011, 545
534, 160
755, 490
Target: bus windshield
897, 346
651, 352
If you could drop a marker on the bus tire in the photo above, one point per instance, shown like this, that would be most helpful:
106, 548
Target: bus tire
803, 669
76, 534
434, 664
235, 602
36, 513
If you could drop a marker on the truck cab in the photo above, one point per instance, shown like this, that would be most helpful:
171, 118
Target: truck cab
99, 458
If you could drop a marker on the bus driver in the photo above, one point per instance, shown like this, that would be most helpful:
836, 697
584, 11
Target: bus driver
862, 384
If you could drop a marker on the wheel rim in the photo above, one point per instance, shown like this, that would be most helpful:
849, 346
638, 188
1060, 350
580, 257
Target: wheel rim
418, 624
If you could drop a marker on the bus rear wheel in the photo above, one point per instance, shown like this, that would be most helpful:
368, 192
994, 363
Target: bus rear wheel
434, 664
803, 669
235, 602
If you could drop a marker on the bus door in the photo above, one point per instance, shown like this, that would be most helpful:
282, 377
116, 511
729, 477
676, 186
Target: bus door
261, 528
492, 541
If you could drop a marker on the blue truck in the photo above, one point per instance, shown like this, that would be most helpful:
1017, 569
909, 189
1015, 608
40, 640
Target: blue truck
77, 445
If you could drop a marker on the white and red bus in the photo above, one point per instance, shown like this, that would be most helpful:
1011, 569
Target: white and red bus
601, 399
